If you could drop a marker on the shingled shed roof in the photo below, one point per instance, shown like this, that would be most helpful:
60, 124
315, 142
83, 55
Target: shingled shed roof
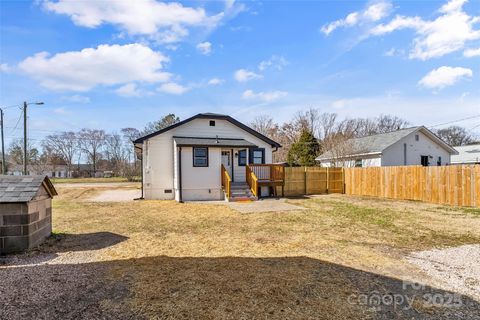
23, 188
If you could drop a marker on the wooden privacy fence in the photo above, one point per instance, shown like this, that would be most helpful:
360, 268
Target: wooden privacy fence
313, 180
451, 185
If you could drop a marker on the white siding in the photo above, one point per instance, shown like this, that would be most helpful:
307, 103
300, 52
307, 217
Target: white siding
394, 155
160, 161
367, 161
201, 183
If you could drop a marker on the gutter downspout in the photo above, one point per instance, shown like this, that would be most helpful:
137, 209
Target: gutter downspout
180, 198
141, 174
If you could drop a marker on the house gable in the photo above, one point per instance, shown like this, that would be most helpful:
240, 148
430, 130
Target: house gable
408, 150
208, 117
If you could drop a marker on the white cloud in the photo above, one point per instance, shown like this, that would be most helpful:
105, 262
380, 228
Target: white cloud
90, 67
434, 38
374, 12
444, 77
469, 53
275, 62
215, 81
173, 88
5, 67
268, 96
204, 48
243, 75
77, 98
129, 90
141, 17
60, 111
394, 52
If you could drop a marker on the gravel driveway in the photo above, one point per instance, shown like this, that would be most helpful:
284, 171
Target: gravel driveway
456, 269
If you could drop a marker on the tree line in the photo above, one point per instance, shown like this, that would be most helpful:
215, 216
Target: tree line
100, 150
308, 134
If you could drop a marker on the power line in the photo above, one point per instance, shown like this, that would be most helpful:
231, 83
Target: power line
18, 121
463, 119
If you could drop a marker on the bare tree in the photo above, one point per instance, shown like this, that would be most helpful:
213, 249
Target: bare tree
307, 120
388, 123
130, 135
327, 125
265, 125
166, 121
116, 152
91, 143
65, 145
338, 149
15, 152
455, 136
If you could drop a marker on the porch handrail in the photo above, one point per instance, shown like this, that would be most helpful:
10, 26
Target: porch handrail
271, 175
226, 182
252, 180
268, 172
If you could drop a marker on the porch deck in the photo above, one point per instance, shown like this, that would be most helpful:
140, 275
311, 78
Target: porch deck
265, 175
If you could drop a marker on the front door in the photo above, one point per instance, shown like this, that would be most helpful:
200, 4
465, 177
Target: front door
227, 162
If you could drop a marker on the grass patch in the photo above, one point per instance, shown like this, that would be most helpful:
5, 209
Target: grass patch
472, 211
181, 256
88, 180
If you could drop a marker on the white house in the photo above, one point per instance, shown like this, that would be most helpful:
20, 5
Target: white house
184, 161
405, 147
467, 154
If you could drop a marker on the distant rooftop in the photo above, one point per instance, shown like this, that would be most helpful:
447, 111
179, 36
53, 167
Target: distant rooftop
467, 154
372, 144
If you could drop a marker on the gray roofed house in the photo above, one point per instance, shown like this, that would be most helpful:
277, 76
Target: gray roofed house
199, 158
409, 146
25, 211
467, 154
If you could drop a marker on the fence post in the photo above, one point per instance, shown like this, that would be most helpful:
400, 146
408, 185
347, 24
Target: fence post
343, 180
305, 179
328, 178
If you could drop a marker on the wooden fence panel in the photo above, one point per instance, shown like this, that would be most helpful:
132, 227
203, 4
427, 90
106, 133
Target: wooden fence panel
451, 185
316, 180
294, 181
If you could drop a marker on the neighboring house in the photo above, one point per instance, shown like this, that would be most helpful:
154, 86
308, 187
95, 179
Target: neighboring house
467, 154
52, 171
184, 161
405, 147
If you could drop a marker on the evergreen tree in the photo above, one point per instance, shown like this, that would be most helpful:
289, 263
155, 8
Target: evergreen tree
304, 151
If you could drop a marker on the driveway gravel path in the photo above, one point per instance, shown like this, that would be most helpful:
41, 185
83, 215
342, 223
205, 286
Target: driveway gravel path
456, 269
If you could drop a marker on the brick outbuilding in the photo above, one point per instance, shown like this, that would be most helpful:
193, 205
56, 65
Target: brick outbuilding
25, 211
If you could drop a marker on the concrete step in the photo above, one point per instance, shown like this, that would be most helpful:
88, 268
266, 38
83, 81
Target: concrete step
244, 199
239, 187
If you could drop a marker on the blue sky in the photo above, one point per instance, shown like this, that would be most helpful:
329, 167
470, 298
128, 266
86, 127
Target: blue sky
116, 64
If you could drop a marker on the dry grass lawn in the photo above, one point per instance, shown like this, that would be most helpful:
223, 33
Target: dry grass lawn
207, 261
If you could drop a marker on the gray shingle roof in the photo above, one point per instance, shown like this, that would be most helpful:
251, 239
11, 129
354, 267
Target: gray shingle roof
213, 142
372, 144
23, 188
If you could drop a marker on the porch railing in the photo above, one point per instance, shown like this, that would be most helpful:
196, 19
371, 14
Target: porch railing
271, 175
226, 182
252, 180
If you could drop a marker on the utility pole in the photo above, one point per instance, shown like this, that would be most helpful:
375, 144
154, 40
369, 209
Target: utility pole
4, 167
25, 151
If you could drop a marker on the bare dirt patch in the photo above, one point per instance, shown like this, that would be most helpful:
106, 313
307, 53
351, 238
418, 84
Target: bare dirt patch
264, 205
118, 195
